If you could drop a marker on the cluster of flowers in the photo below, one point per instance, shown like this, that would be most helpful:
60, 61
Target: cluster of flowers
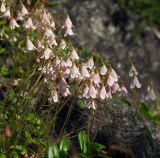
92, 82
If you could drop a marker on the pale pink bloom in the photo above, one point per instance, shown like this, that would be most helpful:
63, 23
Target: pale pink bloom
74, 72
45, 18
47, 54
39, 46
69, 62
62, 45
2, 8
13, 24
103, 93
135, 83
92, 91
65, 68
96, 78
108, 92
84, 71
86, 92
53, 25
103, 70
90, 63
123, 91
53, 42
7, 13
29, 24
133, 71
74, 55
110, 80
114, 75
49, 34
115, 87
24, 11
54, 96
30, 45
68, 32
150, 94
63, 87
68, 23
92, 105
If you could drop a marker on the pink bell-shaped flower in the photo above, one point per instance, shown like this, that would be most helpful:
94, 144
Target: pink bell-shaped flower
23, 11
29, 24
74, 55
90, 63
150, 93
133, 71
68, 32
3, 8
74, 72
108, 92
86, 92
13, 24
92, 91
135, 83
103, 70
53, 97
68, 23
84, 71
103, 93
30, 46
47, 54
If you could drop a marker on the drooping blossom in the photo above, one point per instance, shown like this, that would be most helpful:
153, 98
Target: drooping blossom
30, 46
135, 83
90, 63
103, 93
74, 72
7, 13
73, 55
68, 23
54, 96
23, 11
108, 92
62, 45
47, 54
28, 24
115, 87
65, 68
150, 93
68, 32
13, 24
45, 18
92, 91
103, 70
85, 92
63, 87
3, 8
133, 71
84, 71
96, 78
7, 131
92, 105
123, 91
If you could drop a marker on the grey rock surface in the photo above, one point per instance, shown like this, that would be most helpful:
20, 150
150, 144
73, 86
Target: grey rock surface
115, 34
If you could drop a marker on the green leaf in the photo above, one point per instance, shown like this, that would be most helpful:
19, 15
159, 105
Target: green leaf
80, 103
65, 144
15, 154
3, 155
56, 151
5, 71
21, 148
50, 152
83, 141
97, 147
85, 52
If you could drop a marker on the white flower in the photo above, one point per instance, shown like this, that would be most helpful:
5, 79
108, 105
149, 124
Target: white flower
13, 24
7, 13
30, 45
133, 71
85, 92
74, 55
29, 24
92, 105
68, 23
68, 32
54, 96
24, 11
2, 8
74, 72
47, 54
90, 63
103, 93
84, 71
92, 91
103, 70
115, 87
96, 78
150, 94
45, 18
135, 83
62, 45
